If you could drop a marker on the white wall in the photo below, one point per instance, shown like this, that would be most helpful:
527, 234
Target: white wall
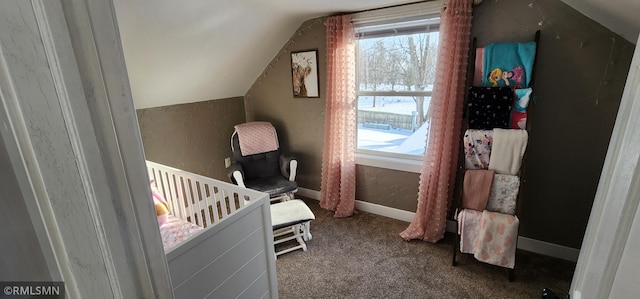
609, 264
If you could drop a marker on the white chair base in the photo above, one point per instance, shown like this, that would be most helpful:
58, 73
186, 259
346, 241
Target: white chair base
284, 197
290, 233
291, 221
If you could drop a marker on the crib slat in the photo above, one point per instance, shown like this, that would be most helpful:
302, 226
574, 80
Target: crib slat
223, 202
187, 194
215, 194
195, 198
194, 202
232, 201
187, 197
199, 195
207, 203
193, 209
162, 184
233, 196
159, 178
150, 173
183, 202
171, 195
178, 211
215, 190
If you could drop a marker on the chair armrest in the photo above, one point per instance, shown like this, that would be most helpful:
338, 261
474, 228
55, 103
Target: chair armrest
236, 174
289, 167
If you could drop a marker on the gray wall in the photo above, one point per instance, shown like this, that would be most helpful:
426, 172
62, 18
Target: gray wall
580, 76
581, 71
194, 137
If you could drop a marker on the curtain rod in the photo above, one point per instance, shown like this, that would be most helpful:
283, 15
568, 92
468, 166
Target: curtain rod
379, 8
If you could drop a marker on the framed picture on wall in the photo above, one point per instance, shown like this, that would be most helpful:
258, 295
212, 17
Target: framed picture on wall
304, 73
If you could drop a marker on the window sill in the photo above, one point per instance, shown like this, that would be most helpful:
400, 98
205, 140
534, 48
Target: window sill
401, 164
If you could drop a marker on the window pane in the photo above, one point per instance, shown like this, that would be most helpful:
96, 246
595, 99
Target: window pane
392, 124
397, 63
390, 121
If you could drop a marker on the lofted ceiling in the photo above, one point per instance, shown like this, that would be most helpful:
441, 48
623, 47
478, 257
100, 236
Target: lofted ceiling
190, 51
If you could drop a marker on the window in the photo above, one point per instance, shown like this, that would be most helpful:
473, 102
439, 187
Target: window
395, 73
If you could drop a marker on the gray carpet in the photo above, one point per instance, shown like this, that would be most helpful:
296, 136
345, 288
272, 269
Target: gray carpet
363, 256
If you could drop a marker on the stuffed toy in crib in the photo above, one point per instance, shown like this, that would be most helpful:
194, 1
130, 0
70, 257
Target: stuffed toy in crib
162, 208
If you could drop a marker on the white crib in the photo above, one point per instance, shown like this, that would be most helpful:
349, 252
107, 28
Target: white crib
233, 256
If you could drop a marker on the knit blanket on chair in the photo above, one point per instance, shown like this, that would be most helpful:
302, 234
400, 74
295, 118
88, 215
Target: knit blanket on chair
256, 137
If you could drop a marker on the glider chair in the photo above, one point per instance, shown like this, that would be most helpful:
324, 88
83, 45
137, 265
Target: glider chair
258, 162
260, 165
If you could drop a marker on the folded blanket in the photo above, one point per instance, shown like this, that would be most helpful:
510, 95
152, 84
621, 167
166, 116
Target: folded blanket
497, 237
503, 195
477, 148
256, 137
507, 150
489, 107
508, 64
476, 188
468, 229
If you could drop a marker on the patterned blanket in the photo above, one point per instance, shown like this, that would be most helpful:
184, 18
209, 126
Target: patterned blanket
175, 231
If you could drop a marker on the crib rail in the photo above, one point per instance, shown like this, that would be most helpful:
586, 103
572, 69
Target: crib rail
198, 199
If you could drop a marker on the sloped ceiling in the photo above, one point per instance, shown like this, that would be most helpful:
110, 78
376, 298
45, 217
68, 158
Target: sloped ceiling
619, 16
190, 51
197, 50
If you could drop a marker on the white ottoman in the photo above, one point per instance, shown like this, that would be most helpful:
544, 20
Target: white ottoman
291, 220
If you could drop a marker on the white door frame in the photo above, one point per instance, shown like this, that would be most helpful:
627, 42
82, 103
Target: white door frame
68, 121
616, 200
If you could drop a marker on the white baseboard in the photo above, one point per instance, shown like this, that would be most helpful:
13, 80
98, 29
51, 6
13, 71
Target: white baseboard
366, 206
384, 211
308, 193
550, 249
524, 243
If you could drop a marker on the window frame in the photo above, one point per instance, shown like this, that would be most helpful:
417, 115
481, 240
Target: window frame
381, 159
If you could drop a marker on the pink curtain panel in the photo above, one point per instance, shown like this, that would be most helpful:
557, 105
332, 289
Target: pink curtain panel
338, 184
437, 178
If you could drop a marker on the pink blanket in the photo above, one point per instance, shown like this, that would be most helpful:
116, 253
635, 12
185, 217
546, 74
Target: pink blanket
497, 239
257, 137
468, 228
476, 188
175, 231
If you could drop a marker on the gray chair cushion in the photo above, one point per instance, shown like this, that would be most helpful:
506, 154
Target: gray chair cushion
273, 185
